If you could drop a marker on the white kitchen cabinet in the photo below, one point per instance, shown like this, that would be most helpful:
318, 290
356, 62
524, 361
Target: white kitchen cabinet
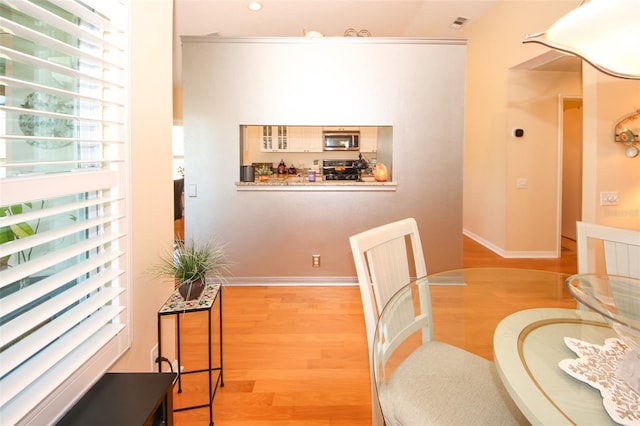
368, 139
274, 139
266, 139
305, 139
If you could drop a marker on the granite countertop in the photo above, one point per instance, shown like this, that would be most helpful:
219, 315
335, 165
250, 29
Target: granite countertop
303, 180
302, 183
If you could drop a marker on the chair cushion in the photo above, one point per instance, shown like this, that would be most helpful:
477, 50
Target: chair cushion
440, 384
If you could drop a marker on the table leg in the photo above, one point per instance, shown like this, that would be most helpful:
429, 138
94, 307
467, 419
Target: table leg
179, 362
210, 367
220, 314
159, 361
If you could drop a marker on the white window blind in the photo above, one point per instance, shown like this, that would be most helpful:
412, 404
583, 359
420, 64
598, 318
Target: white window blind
63, 202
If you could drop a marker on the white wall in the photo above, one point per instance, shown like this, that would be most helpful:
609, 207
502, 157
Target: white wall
415, 86
151, 194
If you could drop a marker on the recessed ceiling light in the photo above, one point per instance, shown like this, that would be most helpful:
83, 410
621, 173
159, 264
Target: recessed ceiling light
255, 6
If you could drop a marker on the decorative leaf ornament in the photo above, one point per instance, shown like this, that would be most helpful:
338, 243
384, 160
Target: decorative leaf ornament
36, 125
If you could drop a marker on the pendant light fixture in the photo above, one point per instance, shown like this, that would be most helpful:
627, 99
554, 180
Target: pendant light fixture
605, 33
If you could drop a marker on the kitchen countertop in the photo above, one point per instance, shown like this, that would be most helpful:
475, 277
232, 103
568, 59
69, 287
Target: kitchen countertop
298, 183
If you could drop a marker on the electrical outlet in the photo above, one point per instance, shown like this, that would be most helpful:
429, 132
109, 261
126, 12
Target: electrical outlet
609, 198
315, 260
154, 356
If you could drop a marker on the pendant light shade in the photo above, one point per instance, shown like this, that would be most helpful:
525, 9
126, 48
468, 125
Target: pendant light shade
605, 33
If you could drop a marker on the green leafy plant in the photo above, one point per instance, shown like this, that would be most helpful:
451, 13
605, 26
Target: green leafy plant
17, 231
20, 230
192, 261
264, 171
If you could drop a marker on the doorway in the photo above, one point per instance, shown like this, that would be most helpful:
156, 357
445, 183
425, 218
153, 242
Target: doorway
571, 173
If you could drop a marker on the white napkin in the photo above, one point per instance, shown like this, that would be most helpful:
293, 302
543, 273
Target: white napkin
629, 369
598, 366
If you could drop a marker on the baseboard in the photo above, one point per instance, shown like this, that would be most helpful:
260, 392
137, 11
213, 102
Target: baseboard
318, 282
510, 254
291, 281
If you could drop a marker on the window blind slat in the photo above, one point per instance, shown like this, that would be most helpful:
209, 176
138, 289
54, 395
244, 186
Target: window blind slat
13, 82
26, 189
18, 300
89, 11
32, 267
22, 404
38, 340
44, 16
78, 118
49, 211
13, 384
60, 163
80, 139
24, 244
16, 56
44, 40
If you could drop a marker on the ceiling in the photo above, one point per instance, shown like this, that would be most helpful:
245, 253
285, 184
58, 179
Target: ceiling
287, 18
382, 18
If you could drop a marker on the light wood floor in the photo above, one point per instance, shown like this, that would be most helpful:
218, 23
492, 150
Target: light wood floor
297, 356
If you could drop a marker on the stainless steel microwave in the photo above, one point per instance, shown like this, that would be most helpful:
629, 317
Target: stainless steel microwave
341, 141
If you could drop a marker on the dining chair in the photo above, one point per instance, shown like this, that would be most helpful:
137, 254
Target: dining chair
436, 383
608, 250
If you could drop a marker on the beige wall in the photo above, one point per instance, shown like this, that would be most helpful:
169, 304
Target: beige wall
492, 206
516, 222
151, 197
532, 213
272, 235
606, 167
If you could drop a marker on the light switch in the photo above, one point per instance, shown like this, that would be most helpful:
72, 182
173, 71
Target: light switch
522, 183
609, 198
193, 190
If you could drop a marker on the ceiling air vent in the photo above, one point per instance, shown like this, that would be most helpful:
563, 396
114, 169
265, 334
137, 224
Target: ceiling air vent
458, 23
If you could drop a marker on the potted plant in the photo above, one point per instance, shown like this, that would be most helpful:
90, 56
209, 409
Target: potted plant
191, 263
264, 172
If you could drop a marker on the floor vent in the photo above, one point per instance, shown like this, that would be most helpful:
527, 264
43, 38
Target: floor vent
458, 23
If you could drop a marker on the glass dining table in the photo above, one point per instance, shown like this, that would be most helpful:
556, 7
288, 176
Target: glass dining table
567, 366
528, 348
519, 318
468, 304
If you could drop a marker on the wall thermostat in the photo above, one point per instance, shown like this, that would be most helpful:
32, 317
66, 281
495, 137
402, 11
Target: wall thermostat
518, 133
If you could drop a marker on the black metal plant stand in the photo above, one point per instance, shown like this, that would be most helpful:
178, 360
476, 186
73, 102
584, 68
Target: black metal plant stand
176, 305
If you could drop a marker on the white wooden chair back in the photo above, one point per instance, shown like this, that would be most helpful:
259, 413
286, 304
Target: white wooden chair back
400, 319
384, 257
608, 250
